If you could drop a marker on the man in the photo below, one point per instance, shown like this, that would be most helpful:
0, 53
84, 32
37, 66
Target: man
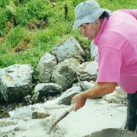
115, 35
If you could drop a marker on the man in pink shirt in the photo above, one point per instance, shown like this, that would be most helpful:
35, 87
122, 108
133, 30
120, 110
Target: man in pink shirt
115, 35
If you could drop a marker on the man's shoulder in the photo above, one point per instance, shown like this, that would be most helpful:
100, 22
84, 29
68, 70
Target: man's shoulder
121, 11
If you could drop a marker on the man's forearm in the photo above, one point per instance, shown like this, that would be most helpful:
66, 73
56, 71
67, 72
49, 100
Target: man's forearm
99, 89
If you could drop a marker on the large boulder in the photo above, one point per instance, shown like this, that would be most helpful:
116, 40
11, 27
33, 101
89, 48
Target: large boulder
87, 71
67, 49
64, 73
15, 81
45, 67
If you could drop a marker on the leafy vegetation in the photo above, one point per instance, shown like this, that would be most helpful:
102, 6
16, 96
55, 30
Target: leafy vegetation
29, 28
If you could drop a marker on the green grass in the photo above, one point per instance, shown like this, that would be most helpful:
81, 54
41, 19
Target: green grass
43, 38
39, 25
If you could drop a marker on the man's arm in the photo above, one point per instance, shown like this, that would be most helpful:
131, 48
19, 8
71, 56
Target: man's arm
98, 90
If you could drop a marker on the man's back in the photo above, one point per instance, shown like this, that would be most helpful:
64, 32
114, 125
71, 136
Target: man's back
117, 43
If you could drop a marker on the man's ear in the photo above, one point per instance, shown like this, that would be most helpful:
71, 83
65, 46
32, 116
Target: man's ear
97, 21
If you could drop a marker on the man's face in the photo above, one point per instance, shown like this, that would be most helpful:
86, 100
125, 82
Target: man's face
90, 30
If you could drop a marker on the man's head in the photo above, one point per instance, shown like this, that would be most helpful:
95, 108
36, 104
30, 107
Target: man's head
87, 18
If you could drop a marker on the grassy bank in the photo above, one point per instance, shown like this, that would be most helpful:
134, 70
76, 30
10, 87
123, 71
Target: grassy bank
29, 28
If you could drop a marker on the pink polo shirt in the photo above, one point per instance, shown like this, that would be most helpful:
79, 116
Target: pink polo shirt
117, 48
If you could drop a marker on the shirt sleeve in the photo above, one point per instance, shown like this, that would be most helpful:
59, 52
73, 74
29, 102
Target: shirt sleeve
131, 12
109, 62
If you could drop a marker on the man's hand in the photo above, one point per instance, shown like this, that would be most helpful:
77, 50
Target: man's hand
79, 101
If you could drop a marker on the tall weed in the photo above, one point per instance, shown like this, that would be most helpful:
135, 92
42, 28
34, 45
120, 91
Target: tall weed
15, 37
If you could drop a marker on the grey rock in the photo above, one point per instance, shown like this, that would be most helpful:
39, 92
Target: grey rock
87, 71
85, 85
9, 107
27, 100
67, 96
93, 51
35, 98
67, 49
47, 88
64, 73
17, 129
15, 81
5, 114
36, 115
45, 67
